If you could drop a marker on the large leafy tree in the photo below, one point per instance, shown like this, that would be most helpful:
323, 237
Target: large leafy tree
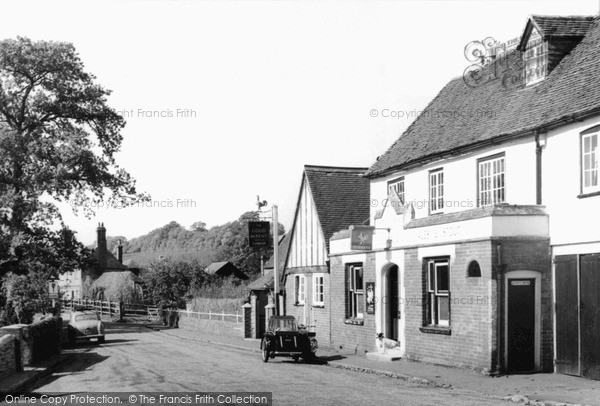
58, 140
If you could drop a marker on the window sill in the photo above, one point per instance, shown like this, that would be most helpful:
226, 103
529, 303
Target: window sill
589, 194
356, 322
318, 306
436, 330
299, 304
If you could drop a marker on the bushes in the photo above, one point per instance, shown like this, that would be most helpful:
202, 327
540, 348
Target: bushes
219, 296
24, 295
224, 305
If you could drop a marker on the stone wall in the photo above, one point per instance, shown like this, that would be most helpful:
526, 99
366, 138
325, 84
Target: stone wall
8, 362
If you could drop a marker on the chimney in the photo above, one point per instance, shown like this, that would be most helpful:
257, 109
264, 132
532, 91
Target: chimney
101, 248
120, 251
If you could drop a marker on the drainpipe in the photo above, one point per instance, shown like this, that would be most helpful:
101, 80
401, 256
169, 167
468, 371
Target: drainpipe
499, 268
538, 168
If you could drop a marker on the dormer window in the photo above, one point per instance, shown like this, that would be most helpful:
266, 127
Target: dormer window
559, 34
535, 59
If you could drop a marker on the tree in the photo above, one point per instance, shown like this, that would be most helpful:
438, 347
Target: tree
168, 282
198, 226
58, 139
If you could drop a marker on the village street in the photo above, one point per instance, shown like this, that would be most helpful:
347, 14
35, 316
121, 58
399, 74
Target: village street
135, 358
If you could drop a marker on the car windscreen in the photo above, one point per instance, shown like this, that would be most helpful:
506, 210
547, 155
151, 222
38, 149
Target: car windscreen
285, 324
83, 317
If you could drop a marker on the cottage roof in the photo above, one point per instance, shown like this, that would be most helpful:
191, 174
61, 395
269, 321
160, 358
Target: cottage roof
114, 278
225, 269
265, 282
341, 196
284, 249
461, 118
562, 26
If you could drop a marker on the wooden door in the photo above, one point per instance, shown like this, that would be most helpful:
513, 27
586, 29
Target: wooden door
567, 315
590, 315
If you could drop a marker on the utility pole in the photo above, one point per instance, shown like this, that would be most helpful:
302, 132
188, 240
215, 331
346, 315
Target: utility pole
275, 259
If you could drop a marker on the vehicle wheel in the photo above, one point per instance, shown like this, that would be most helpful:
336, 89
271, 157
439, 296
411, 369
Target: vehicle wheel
265, 352
265, 355
101, 340
296, 358
71, 338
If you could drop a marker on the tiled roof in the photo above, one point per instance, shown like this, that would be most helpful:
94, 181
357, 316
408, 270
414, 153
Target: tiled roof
284, 249
341, 196
225, 269
558, 26
265, 282
462, 117
113, 263
214, 267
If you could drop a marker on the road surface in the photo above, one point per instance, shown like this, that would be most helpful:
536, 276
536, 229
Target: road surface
135, 358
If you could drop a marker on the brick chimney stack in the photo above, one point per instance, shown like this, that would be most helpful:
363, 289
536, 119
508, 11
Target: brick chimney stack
101, 253
120, 251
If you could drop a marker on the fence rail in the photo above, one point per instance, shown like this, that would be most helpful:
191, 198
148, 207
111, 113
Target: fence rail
237, 318
111, 308
132, 309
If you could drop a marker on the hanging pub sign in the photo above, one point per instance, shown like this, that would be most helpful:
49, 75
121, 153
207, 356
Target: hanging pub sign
370, 287
258, 234
361, 238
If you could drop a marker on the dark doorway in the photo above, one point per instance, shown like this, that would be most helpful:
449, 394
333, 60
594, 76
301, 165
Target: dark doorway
391, 303
262, 300
521, 325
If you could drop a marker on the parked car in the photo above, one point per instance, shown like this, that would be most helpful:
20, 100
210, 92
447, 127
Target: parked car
284, 338
85, 325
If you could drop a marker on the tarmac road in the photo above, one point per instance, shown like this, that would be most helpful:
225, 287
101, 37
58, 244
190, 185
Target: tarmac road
138, 359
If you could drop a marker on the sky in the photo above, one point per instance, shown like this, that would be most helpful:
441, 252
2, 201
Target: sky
228, 100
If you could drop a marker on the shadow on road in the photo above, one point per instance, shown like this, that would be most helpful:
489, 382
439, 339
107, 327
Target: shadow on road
80, 360
316, 361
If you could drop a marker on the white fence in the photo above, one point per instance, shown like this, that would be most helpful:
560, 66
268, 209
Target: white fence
236, 318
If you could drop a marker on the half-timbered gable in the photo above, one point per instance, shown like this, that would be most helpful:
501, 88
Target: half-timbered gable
330, 198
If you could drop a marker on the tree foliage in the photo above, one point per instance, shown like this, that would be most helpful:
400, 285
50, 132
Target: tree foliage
227, 242
25, 295
167, 282
58, 139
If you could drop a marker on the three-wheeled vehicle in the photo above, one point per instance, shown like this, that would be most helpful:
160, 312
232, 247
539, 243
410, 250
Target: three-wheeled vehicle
284, 338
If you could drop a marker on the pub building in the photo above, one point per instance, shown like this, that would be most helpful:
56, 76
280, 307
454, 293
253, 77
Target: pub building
482, 247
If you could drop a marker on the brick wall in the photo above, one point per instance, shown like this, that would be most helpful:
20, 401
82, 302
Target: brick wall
473, 342
534, 255
317, 318
471, 310
8, 363
352, 338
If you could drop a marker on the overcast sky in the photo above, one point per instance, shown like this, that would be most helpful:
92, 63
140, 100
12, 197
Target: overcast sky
228, 100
